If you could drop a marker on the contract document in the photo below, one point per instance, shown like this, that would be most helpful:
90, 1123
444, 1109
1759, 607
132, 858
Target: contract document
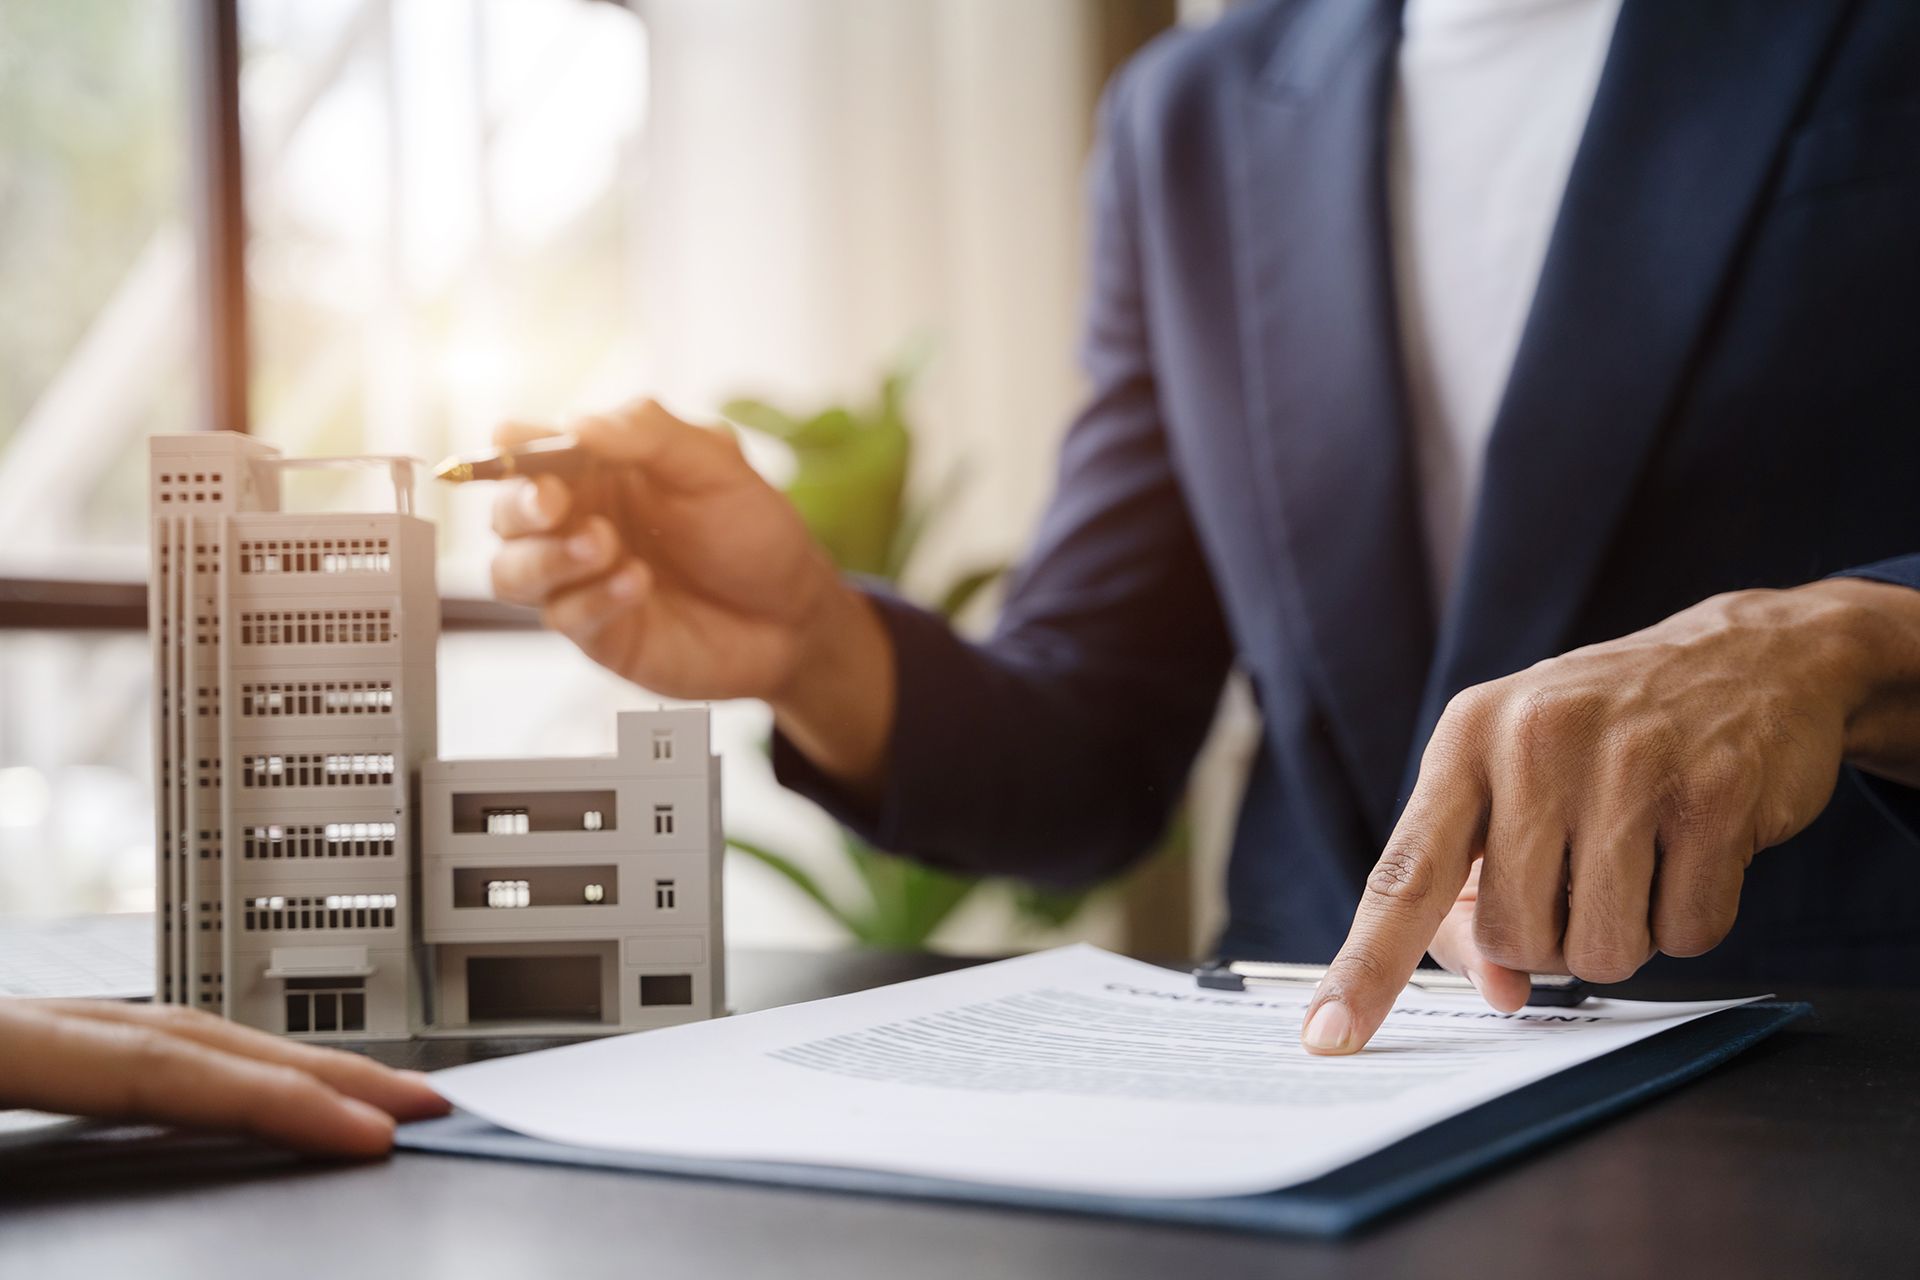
1071, 1070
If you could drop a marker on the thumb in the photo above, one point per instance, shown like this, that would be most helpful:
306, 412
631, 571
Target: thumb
1454, 947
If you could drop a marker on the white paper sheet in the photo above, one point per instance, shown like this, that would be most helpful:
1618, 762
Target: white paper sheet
106, 957
1071, 1070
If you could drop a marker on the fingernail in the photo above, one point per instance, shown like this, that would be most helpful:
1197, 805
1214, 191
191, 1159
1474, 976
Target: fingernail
583, 547
1473, 976
1330, 1027
427, 1100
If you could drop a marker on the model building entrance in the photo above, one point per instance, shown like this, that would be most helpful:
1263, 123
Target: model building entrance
535, 989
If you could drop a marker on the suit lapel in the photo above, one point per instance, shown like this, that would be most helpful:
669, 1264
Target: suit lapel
1685, 130
1331, 447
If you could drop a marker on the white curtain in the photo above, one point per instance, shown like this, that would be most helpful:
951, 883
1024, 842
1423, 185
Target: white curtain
829, 179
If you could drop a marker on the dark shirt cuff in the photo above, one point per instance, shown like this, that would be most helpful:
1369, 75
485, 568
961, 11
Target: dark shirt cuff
1901, 571
1900, 804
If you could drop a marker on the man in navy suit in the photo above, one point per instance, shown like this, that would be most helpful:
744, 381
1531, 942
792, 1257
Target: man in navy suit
1523, 395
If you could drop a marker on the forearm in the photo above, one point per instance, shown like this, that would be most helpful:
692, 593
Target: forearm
1874, 629
838, 708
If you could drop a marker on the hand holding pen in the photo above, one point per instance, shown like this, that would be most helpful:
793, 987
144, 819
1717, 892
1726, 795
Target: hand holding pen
656, 548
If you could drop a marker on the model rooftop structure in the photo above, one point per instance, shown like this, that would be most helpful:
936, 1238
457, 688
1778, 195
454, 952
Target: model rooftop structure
295, 709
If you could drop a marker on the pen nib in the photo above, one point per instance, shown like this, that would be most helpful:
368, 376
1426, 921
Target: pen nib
454, 471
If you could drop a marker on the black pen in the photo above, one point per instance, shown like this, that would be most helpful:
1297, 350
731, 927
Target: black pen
1547, 988
561, 456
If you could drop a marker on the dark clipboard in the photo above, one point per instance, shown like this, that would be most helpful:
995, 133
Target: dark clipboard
1335, 1204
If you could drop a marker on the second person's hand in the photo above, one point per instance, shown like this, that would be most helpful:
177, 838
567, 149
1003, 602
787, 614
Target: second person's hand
1602, 806
181, 1066
678, 567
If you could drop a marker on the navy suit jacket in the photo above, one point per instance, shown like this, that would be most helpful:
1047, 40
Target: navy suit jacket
1716, 388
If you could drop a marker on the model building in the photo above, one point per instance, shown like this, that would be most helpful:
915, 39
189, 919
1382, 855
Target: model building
294, 709
563, 892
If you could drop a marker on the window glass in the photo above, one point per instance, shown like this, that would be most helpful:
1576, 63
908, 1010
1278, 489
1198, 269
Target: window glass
96, 266
76, 772
443, 206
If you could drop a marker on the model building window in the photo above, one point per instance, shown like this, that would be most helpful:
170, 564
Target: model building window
536, 886
663, 819
508, 893
316, 556
663, 744
664, 898
519, 813
331, 840
318, 771
316, 626
666, 988
507, 822
344, 769
326, 1004
334, 911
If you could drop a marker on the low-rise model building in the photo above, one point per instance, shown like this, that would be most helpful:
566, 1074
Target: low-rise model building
567, 893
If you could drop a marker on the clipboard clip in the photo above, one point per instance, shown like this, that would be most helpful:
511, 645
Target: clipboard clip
1549, 989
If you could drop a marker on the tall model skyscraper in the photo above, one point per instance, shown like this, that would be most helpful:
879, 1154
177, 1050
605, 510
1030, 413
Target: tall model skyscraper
295, 703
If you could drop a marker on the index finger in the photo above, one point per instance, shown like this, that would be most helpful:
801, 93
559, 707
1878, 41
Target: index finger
1408, 894
538, 505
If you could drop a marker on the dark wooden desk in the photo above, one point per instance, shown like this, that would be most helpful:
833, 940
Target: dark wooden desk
1801, 1158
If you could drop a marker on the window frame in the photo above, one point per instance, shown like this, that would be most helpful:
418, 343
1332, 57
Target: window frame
216, 205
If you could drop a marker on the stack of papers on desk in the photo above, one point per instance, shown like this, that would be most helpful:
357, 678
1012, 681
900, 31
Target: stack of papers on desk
1071, 1073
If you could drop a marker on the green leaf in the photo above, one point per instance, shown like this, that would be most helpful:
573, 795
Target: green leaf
852, 495
910, 901
1049, 908
798, 877
907, 368
959, 595
931, 897
919, 518
906, 536
826, 431
869, 863
758, 415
